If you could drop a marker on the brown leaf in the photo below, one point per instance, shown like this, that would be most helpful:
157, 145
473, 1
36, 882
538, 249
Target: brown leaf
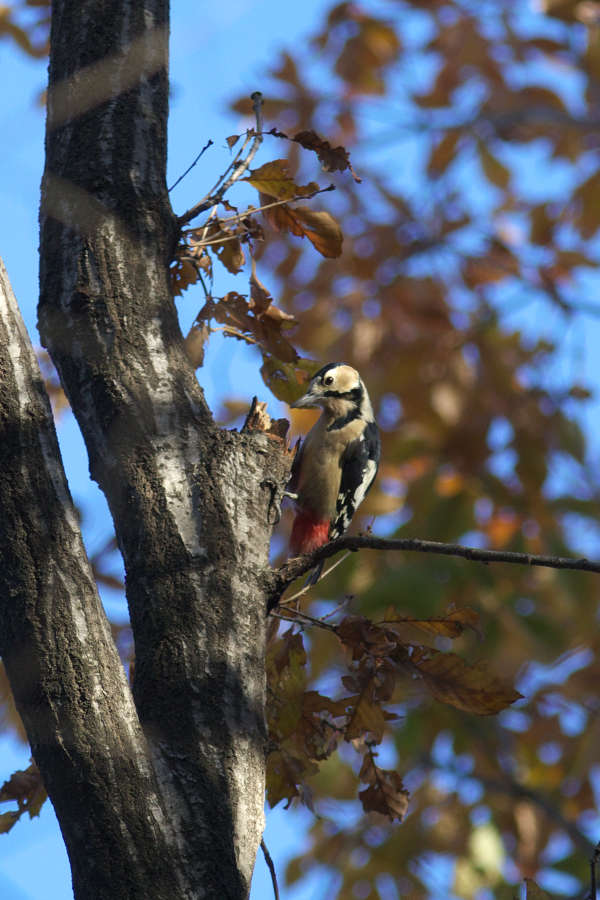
443, 153
470, 688
364, 55
542, 225
321, 229
587, 196
315, 702
440, 94
232, 309
278, 315
386, 793
333, 159
182, 274
451, 626
274, 179
261, 298
7, 820
269, 336
194, 344
494, 170
284, 776
366, 718
231, 255
232, 140
26, 788
362, 637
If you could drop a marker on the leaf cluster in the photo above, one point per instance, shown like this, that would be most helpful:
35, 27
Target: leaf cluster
381, 662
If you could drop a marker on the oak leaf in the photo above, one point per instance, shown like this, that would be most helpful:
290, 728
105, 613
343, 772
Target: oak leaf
451, 626
386, 793
182, 274
365, 718
231, 255
333, 159
471, 688
274, 179
318, 226
194, 343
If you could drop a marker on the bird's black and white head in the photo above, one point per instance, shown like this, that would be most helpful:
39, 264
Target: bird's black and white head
339, 390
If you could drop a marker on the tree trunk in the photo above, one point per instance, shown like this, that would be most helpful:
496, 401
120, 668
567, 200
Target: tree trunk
68, 682
191, 504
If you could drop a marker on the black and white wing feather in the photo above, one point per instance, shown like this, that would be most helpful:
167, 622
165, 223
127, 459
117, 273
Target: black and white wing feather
359, 464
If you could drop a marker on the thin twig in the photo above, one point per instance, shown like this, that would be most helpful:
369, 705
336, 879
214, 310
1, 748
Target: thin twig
189, 168
227, 329
255, 209
269, 863
207, 223
339, 607
239, 169
296, 614
217, 240
323, 575
293, 568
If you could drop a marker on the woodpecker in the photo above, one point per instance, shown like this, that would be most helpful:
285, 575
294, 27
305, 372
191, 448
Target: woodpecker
337, 463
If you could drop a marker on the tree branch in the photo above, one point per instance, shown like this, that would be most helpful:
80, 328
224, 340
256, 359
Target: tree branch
217, 193
208, 144
271, 867
293, 568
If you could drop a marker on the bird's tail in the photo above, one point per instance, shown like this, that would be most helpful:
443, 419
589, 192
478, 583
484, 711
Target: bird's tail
315, 574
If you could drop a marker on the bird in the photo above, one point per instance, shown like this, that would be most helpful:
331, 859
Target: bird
336, 464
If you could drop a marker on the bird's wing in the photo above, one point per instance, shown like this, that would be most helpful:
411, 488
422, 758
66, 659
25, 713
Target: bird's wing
292, 485
359, 464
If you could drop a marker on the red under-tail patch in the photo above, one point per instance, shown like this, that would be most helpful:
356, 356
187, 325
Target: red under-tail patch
308, 533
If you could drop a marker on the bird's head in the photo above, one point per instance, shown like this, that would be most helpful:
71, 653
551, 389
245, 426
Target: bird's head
338, 389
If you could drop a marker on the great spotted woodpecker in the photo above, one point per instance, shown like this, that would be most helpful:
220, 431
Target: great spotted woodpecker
338, 461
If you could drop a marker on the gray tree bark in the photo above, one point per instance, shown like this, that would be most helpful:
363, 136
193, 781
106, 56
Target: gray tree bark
177, 804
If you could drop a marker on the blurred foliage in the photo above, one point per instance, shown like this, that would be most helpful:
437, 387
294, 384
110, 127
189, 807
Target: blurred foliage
474, 130
27, 23
474, 200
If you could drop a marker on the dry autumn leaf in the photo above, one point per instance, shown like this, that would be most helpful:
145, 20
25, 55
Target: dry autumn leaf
194, 344
365, 718
273, 178
472, 688
182, 273
231, 254
386, 793
333, 159
319, 227
451, 626
494, 170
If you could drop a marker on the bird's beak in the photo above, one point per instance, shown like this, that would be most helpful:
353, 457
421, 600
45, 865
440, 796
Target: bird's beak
306, 402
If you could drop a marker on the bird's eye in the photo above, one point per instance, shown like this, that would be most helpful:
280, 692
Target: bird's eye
329, 379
